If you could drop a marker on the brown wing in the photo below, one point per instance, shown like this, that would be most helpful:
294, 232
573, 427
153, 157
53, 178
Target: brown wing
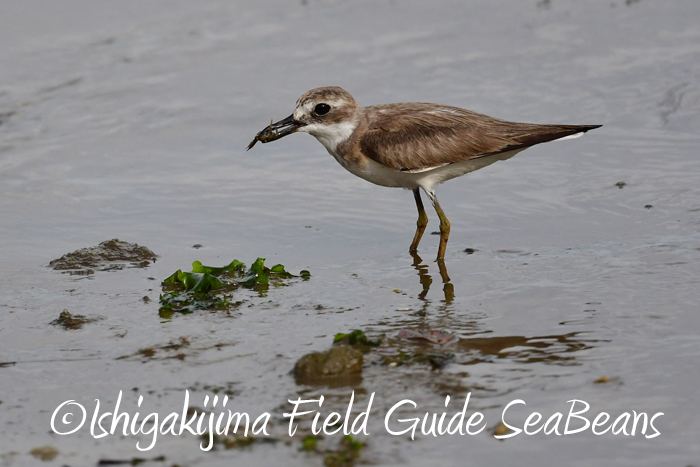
418, 136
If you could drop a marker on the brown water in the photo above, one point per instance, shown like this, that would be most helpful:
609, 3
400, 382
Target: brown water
130, 120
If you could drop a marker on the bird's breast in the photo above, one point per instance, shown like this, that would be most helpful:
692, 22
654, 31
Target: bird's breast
372, 171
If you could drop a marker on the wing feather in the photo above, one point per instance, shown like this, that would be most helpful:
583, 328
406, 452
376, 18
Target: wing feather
415, 137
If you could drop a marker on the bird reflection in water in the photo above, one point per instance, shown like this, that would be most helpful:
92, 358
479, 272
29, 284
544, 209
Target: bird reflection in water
426, 279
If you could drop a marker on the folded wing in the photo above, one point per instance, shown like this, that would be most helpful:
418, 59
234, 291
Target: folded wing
415, 137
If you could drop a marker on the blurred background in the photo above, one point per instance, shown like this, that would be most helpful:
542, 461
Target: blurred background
130, 119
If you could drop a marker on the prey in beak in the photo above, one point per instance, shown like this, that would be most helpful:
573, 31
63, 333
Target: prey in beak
276, 131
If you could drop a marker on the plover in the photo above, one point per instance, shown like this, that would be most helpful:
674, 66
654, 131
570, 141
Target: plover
410, 145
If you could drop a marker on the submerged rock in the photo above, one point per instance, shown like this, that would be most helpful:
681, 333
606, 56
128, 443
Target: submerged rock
108, 255
340, 365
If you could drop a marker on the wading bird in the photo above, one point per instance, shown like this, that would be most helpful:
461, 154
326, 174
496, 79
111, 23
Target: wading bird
410, 145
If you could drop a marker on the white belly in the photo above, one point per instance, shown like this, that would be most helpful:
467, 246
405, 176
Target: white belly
380, 175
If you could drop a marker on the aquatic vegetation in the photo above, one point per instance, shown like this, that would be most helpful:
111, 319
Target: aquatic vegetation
347, 455
309, 443
355, 337
347, 452
210, 288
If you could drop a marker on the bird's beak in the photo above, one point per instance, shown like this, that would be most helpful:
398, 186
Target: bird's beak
278, 130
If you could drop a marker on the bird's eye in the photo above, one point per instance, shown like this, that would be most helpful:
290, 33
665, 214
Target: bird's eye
322, 109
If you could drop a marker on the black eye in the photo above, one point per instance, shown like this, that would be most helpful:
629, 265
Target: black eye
322, 109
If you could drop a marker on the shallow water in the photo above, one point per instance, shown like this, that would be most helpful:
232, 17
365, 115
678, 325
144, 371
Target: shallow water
131, 121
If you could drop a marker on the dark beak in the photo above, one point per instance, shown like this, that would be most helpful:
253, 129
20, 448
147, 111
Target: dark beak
277, 130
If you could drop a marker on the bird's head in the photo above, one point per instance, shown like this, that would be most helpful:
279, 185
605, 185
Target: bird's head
329, 113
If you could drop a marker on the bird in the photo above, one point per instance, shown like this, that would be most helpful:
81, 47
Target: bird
415, 145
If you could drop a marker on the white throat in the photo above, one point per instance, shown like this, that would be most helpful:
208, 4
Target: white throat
331, 135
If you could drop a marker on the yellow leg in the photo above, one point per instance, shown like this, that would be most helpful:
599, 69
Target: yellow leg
444, 225
422, 221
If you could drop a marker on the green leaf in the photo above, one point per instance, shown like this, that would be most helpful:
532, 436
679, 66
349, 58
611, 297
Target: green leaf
278, 269
199, 282
309, 443
356, 336
234, 265
172, 278
201, 288
258, 268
